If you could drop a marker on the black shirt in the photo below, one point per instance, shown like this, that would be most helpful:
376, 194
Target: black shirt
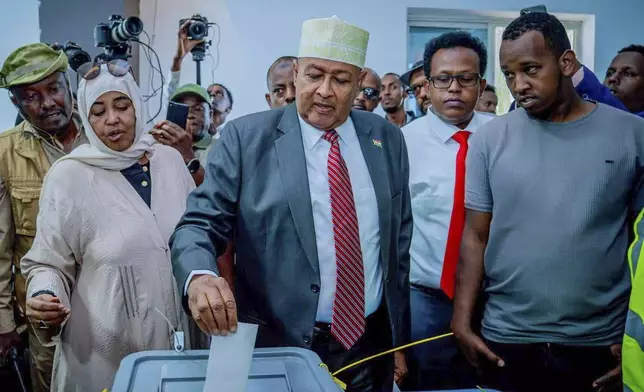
139, 177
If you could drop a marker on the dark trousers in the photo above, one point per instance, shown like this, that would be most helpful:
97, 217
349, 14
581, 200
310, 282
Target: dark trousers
548, 367
16, 368
435, 365
374, 376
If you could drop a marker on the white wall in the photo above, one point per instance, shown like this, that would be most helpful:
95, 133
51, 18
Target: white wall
19, 25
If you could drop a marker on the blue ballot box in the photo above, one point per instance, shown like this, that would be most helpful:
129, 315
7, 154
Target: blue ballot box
272, 370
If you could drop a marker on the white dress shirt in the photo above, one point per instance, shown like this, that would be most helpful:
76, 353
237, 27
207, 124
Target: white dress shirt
432, 175
316, 151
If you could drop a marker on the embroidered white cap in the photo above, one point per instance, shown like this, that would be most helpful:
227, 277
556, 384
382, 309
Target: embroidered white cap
334, 39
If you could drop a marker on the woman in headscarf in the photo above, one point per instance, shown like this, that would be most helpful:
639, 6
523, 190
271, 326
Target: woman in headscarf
99, 278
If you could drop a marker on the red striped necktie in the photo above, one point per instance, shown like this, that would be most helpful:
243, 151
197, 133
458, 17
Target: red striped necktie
457, 222
348, 321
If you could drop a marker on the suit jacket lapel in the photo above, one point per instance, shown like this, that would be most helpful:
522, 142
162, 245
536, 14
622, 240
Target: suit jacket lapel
292, 167
372, 149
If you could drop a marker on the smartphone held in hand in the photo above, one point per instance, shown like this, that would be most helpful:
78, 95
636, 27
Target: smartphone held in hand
178, 114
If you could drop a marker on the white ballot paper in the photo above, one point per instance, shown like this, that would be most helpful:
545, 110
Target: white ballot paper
229, 360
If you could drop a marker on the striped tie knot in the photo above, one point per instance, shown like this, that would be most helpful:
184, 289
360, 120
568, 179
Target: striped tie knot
331, 136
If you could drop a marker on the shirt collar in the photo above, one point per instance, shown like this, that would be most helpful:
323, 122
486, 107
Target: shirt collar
204, 142
311, 135
445, 131
409, 117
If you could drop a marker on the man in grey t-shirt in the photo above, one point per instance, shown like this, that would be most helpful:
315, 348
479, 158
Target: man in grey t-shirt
551, 190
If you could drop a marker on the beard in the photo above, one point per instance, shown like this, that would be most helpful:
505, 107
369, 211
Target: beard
392, 110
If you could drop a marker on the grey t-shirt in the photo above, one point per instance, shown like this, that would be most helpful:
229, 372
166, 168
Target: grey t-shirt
562, 196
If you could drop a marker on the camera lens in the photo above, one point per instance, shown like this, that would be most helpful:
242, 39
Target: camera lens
198, 30
77, 57
133, 26
127, 29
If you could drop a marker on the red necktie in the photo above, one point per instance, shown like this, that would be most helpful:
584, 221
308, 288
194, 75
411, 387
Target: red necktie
348, 321
457, 222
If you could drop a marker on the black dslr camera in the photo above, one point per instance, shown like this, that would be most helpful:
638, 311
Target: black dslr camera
198, 28
114, 36
76, 56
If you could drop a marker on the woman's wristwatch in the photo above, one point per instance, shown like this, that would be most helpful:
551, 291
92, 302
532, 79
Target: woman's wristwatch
40, 323
37, 293
193, 165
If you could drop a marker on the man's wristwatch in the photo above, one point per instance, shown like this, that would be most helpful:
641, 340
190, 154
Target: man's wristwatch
193, 166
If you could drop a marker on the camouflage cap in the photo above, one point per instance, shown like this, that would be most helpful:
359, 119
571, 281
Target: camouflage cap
191, 89
30, 64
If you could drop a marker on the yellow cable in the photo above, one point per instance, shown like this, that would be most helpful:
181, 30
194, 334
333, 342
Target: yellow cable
406, 346
416, 343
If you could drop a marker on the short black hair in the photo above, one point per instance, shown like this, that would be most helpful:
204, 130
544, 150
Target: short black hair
230, 95
490, 88
394, 75
456, 39
281, 60
632, 49
553, 31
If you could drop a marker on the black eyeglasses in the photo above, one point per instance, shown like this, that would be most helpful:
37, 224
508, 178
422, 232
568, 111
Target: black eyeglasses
370, 93
118, 68
443, 82
415, 89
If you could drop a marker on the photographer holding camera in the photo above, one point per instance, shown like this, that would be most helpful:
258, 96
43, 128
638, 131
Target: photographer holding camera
184, 46
191, 34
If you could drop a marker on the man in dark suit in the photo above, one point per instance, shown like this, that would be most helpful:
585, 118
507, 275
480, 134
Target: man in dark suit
317, 198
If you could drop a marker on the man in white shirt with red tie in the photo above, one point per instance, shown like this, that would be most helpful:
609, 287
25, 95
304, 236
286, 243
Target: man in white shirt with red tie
454, 64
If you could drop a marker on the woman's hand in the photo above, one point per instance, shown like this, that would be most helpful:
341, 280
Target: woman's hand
47, 309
